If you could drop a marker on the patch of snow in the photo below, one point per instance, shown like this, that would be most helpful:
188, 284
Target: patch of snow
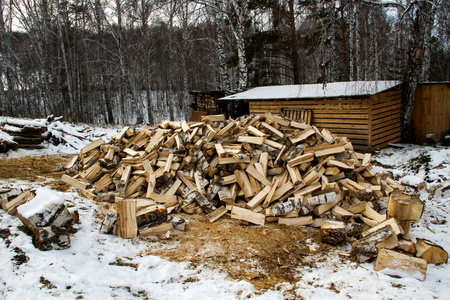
335, 89
411, 180
45, 198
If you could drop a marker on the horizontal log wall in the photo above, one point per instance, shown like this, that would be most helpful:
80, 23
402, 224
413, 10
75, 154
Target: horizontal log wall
431, 111
369, 122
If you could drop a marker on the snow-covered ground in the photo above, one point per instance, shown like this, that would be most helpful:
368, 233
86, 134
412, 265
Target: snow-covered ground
104, 266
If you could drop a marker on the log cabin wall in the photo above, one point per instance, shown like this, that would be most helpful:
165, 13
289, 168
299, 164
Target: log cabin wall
369, 122
431, 111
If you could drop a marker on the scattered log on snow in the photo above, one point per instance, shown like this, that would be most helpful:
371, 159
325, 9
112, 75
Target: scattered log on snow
405, 208
48, 219
400, 265
432, 253
368, 246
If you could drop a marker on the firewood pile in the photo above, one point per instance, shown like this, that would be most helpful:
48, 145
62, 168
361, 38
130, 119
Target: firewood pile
258, 170
26, 135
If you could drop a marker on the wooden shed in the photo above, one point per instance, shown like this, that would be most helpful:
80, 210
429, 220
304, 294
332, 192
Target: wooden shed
367, 112
431, 112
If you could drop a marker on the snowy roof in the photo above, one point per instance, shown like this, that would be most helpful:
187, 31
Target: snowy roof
330, 90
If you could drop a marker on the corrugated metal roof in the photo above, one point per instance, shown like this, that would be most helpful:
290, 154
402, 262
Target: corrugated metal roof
330, 90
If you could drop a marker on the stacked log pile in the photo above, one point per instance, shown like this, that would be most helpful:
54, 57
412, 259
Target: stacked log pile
26, 135
256, 169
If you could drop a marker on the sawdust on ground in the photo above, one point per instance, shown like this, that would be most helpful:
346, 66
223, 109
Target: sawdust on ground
263, 255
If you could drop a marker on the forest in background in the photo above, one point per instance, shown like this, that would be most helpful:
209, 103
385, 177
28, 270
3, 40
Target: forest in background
135, 61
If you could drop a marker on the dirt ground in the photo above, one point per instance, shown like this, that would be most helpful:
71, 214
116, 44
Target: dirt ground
263, 255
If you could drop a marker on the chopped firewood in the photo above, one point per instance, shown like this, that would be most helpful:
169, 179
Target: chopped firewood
273, 131
213, 118
400, 265
134, 186
321, 209
394, 224
333, 232
301, 159
290, 205
341, 212
217, 214
244, 183
127, 219
247, 215
372, 214
333, 149
91, 146
357, 208
108, 222
407, 246
11, 206
151, 216
302, 136
258, 198
300, 221
257, 175
395, 184
269, 195
73, 182
368, 246
156, 230
49, 221
432, 253
405, 208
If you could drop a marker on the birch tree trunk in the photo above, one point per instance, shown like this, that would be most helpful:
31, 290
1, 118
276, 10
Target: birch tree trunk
241, 10
223, 61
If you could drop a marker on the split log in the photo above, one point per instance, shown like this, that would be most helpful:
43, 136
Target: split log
432, 253
156, 230
400, 265
12, 205
217, 214
108, 222
151, 216
368, 246
405, 208
333, 232
127, 219
407, 246
300, 221
48, 219
247, 215
290, 205
204, 203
